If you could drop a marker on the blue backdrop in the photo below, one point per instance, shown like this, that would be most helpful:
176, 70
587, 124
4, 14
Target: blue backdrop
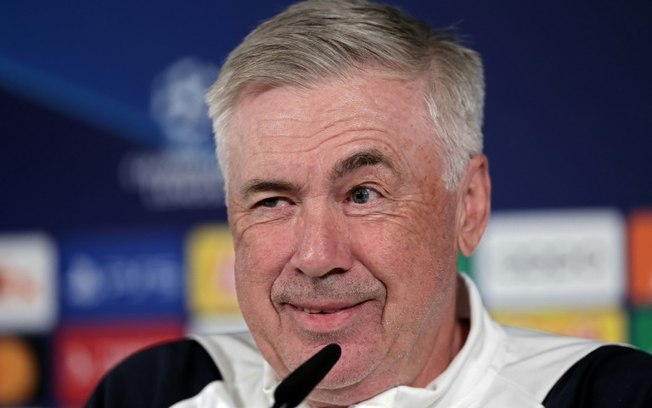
568, 116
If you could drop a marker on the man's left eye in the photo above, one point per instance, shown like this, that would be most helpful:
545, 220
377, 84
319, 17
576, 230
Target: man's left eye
362, 195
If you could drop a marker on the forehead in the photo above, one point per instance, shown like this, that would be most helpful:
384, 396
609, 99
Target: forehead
331, 118
364, 90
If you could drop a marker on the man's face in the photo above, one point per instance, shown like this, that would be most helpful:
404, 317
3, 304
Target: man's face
344, 232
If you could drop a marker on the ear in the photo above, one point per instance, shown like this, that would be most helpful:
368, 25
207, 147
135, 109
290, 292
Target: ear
474, 204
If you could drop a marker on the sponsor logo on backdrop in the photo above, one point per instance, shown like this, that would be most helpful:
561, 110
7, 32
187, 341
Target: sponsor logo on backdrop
553, 258
126, 273
211, 275
27, 283
641, 328
184, 172
92, 282
607, 325
85, 353
213, 303
20, 372
640, 257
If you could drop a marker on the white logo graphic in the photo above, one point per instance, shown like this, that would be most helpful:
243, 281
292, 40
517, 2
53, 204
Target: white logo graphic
85, 282
552, 259
178, 105
185, 173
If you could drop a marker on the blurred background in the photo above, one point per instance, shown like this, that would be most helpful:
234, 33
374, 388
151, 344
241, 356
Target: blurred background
112, 227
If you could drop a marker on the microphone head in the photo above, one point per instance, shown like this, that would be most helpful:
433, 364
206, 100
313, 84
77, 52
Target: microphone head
296, 386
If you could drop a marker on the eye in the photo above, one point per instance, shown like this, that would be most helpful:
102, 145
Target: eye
363, 195
272, 202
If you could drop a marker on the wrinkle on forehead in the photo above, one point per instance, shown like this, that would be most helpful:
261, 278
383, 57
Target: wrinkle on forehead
355, 96
330, 115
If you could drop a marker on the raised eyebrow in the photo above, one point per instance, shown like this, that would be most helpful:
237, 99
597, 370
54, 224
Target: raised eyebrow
261, 185
367, 157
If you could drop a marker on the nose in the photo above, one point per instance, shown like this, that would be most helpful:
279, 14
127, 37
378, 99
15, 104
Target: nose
323, 243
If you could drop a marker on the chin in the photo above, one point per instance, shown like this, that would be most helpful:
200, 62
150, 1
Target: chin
346, 385
343, 396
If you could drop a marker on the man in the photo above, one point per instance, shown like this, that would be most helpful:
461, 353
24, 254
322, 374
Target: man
350, 139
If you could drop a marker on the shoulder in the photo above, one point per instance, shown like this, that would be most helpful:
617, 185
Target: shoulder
158, 376
567, 372
609, 376
535, 360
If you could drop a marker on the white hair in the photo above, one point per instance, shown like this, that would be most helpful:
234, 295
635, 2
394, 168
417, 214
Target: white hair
317, 39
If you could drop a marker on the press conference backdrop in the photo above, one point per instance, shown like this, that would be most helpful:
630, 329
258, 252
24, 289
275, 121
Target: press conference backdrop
112, 227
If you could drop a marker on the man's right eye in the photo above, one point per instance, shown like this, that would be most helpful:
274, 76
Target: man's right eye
271, 202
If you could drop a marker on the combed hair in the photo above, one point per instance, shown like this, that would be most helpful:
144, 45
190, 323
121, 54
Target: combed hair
318, 39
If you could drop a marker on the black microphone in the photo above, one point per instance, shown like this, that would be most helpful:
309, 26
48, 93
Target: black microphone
296, 386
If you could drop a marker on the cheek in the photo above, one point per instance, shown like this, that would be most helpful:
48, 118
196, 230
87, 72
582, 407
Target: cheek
259, 260
253, 280
419, 233
418, 253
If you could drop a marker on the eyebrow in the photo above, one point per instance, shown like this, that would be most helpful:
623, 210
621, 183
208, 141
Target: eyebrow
363, 158
367, 157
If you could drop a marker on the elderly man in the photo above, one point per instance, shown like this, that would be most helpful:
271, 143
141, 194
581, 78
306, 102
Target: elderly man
350, 138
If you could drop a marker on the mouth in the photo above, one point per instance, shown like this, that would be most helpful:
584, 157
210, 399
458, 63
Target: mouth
323, 308
321, 311
326, 318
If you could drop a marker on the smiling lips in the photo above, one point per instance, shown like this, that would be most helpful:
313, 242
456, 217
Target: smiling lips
317, 311
323, 310
327, 318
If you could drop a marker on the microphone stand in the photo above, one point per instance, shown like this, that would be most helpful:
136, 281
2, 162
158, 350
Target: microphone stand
296, 386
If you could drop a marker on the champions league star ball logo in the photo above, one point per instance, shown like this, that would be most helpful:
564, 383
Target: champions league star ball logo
178, 106
183, 173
